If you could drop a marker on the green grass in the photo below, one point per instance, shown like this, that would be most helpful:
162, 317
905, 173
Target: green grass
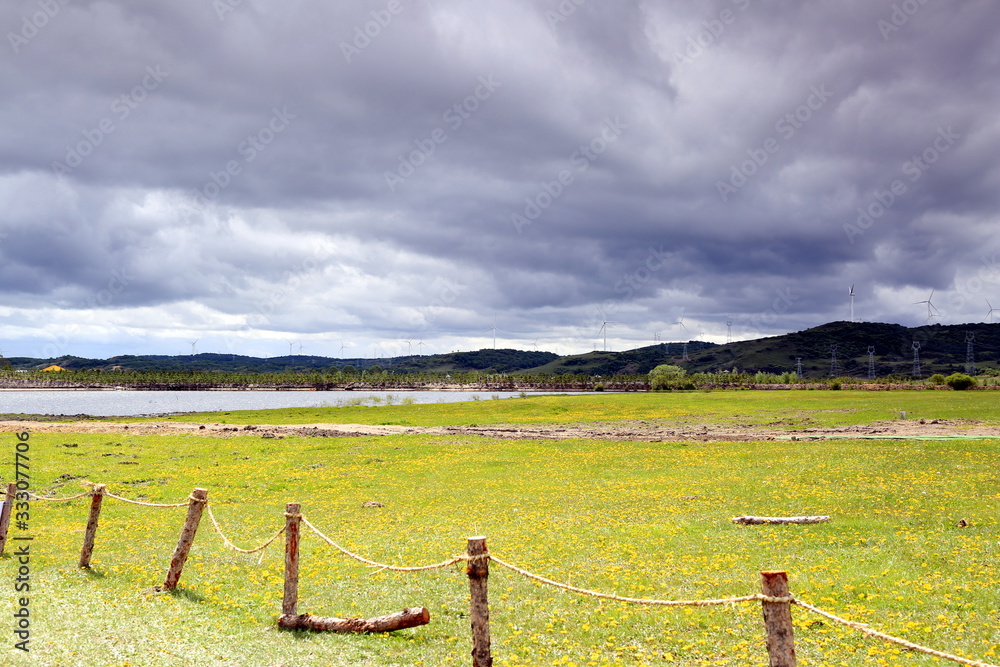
633, 518
782, 409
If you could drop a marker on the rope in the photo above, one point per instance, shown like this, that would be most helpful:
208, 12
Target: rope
233, 546
58, 500
137, 502
889, 638
666, 603
583, 591
382, 566
750, 598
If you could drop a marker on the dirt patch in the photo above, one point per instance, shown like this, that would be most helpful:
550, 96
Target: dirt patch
641, 431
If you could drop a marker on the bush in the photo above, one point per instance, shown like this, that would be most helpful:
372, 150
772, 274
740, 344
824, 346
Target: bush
937, 379
665, 376
960, 381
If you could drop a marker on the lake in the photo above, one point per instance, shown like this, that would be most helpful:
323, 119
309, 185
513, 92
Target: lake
135, 403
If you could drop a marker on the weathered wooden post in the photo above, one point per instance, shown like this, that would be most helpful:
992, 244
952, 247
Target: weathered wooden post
8, 505
290, 601
478, 569
195, 508
778, 620
96, 498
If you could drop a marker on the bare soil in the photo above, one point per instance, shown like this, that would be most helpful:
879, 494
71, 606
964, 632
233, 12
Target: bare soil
640, 430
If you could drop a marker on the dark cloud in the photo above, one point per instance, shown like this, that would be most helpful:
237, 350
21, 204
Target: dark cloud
374, 172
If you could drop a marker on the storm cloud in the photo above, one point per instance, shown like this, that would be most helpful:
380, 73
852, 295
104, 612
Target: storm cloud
352, 176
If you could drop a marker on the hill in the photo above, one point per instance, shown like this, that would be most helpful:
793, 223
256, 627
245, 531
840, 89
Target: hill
493, 361
942, 350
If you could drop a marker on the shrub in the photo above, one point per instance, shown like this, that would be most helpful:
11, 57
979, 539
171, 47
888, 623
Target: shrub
937, 379
960, 381
665, 376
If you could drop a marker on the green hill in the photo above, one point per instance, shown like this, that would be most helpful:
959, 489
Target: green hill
942, 350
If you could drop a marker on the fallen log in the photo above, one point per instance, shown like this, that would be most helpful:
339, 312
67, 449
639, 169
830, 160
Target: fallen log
408, 618
758, 520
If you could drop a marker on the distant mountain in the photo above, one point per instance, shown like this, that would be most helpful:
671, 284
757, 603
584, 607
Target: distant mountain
942, 350
495, 361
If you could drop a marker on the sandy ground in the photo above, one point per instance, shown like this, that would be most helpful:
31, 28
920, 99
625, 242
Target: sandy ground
639, 430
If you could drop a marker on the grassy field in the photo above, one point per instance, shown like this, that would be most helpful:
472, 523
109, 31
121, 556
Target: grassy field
637, 519
795, 409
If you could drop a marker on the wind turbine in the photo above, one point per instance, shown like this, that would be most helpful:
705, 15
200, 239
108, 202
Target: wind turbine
420, 346
931, 310
409, 347
192, 343
535, 345
680, 321
852, 303
342, 346
989, 315
301, 347
290, 344
494, 330
604, 329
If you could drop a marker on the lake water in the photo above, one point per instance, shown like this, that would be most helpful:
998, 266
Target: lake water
133, 403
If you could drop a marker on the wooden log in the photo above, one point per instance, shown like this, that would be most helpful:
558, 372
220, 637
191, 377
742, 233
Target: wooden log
96, 498
408, 618
478, 570
8, 505
758, 520
778, 620
195, 508
290, 599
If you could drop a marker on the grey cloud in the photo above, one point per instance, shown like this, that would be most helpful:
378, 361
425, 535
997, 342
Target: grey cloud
210, 211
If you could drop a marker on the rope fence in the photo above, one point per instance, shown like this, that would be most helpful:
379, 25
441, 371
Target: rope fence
382, 566
228, 542
775, 599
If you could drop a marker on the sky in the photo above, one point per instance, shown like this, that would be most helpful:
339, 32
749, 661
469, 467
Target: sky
373, 179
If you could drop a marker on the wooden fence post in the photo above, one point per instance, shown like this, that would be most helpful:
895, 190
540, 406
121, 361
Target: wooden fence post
97, 497
8, 505
778, 620
290, 601
478, 570
195, 507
